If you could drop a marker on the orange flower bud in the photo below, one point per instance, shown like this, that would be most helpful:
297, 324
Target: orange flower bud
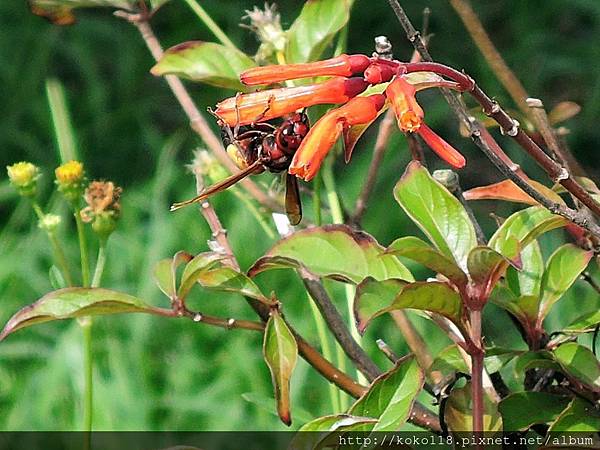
401, 95
441, 147
379, 73
327, 129
343, 65
266, 105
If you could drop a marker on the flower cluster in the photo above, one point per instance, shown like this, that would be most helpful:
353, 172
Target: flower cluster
351, 76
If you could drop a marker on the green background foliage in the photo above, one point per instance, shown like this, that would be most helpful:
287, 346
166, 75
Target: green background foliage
158, 373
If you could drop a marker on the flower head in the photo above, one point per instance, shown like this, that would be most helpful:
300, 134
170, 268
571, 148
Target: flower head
266, 23
23, 176
49, 222
103, 207
70, 178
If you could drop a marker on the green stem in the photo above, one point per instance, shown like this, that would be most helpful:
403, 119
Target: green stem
317, 200
326, 349
88, 396
61, 120
255, 212
338, 218
83, 250
210, 24
59, 254
100, 262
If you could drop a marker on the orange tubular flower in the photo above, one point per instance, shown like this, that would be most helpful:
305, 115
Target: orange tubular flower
343, 65
265, 105
327, 129
409, 114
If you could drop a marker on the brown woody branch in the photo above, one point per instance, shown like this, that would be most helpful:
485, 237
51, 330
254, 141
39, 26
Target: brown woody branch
487, 144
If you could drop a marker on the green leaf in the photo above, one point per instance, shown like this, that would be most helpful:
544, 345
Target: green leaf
420, 251
371, 296
524, 409
314, 29
524, 308
206, 62
530, 276
448, 361
265, 403
391, 396
524, 226
458, 411
437, 212
579, 416
313, 434
281, 353
193, 269
433, 296
580, 363
227, 279
584, 323
333, 251
60, 12
534, 360
76, 302
563, 268
163, 276
486, 267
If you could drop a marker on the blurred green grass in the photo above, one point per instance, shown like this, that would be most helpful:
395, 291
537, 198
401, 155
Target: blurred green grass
153, 373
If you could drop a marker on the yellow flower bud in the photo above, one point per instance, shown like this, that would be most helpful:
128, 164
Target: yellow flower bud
23, 176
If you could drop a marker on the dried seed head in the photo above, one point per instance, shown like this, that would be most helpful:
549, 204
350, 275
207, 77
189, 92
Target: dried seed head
23, 176
103, 207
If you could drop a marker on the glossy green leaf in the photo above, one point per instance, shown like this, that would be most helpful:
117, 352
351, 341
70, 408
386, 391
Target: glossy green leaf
521, 410
281, 353
372, 296
579, 416
458, 411
524, 308
580, 363
193, 269
530, 275
563, 268
524, 226
75, 302
391, 396
333, 251
206, 62
584, 323
60, 12
314, 29
228, 280
435, 296
264, 402
420, 251
437, 212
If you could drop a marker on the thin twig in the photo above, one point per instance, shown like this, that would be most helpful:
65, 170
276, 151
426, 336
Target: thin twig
197, 121
387, 351
483, 139
338, 327
227, 324
383, 135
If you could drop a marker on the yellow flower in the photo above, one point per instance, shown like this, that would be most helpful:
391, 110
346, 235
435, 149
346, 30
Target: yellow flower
23, 176
70, 172
70, 179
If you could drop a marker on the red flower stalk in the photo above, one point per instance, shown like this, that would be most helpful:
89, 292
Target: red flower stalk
409, 114
343, 65
265, 105
323, 135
